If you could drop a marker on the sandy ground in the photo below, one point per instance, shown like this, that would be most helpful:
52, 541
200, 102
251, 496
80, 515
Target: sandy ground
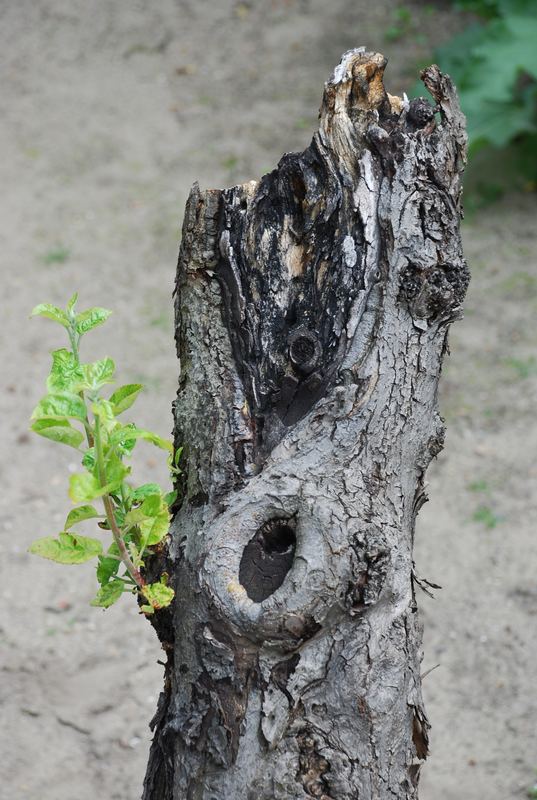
110, 111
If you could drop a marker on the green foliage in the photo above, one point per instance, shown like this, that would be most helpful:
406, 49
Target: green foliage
158, 595
58, 255
493, 63
74, 412
402, 24
479, 486
523, 367
68, 548
486, 516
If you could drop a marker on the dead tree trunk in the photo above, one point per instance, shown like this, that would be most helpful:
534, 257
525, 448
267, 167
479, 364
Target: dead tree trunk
313, 307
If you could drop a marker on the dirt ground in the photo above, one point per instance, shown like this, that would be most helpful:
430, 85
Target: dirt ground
110, 111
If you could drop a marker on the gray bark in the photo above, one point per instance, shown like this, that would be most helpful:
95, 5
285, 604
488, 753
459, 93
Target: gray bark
312, 313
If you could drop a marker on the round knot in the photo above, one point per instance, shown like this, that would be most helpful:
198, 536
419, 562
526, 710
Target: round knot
304, 350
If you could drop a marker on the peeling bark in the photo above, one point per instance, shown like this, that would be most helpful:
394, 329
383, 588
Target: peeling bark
312, 311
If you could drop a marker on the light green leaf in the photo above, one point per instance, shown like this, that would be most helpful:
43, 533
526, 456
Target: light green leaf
157, 523
84, 487
158, 441
173, 462
87, 320
152, 518
80, 514
124, 438
105, 411
51, 312
60, 405
108, 594
115, 469
72, 302
89, 459
58, 430
98, 373
131, 433
143, 491
170, 498
158, 595
152, 504
134, 517
135, 554
68, 548
108, 566
124, 397
65, 374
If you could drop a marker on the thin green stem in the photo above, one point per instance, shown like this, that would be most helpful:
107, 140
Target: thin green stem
109, 509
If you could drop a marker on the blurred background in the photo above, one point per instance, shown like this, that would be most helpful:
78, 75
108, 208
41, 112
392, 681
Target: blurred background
110, 111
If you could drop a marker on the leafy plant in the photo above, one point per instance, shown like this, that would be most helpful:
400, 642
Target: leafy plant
58, 255
75, 413
480, 485
493, 63
486, 516
524, 367
401, 26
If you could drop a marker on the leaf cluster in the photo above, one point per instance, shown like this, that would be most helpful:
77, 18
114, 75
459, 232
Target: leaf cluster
75, 413
493, 63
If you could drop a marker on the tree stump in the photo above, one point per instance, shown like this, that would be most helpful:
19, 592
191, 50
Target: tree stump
312, 311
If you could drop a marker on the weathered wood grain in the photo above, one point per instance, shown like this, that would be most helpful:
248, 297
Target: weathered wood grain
312, 311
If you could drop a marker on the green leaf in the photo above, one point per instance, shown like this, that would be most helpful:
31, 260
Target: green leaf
58, 430
170, 498
157, 523
80, 514
108, 566
135, 554
98, 373
60, 405
89, 459
105, 411
158, 441
87, 320
71, 303
152, 505
173, 463
115, 469
158, 595
134, 517
68, 548
108, 594
51, 312
84, 487
124, 397
66, 374
121, 437
152, 518
144, 491
497, 123
131, 433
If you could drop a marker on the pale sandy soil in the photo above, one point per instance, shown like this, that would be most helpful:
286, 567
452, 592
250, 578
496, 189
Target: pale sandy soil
110, 111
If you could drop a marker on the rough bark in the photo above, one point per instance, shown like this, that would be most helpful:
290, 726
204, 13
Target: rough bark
312, 311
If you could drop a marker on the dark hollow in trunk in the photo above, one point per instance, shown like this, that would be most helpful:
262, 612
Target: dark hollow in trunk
312, 311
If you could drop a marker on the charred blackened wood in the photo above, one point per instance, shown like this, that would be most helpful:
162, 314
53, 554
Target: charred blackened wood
312, 311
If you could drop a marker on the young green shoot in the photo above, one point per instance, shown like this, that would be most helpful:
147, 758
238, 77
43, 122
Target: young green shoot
75, 413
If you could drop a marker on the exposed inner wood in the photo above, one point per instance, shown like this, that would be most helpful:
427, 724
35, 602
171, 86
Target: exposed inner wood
312, 312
